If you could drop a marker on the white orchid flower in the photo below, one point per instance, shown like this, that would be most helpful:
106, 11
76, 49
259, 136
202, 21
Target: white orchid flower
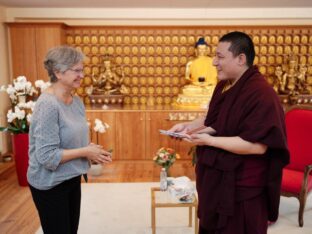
20, 86
11, 116
31, 105
13, 98
45, 86
3, 88
11, 90
97, 121
100, 129
100, 126
21, 105
21, 79
28, 85
20, 114
32, 91
42, 85
19, 92
39, 83
29, 117
27, 105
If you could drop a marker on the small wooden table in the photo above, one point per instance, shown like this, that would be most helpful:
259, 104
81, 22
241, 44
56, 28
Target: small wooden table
170, 203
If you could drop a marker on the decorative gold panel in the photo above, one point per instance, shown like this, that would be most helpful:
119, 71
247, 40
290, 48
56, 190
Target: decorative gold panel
154, 57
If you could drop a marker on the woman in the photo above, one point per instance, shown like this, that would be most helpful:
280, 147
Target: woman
58, 144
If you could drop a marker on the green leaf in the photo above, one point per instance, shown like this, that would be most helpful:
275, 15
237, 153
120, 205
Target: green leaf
11, 129
2, 129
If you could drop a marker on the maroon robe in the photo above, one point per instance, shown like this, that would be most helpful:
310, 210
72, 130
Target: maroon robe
251, 110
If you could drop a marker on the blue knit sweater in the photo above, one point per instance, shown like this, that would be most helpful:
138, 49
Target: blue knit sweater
56, 126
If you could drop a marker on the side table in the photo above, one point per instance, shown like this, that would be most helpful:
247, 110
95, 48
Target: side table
156, 203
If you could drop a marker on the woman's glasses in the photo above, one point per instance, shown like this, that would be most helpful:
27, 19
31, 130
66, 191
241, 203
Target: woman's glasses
77, 71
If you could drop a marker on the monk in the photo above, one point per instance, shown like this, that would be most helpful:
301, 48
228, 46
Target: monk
241, 145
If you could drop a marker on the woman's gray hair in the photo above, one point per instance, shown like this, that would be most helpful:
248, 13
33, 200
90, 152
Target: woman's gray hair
60, 59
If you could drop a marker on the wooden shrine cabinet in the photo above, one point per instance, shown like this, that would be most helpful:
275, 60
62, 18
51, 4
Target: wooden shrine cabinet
29, 44
134, 134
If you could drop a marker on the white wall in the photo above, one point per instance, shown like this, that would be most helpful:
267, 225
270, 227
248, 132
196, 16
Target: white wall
164, 16
4, 77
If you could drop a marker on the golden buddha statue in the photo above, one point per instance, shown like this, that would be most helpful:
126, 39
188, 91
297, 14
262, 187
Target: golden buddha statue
108, 86
201, 76
302, 79
291, 81
279, 85
291, 76
110, 80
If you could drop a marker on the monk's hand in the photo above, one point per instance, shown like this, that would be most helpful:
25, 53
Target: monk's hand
202, 139
179, 128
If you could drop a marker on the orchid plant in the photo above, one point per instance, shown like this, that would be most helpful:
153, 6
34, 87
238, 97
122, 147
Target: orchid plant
21, 93
98, 127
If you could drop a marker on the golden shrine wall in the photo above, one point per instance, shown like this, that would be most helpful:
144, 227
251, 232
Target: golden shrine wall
154, 57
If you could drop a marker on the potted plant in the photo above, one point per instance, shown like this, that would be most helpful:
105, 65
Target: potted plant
21, 94
99, 128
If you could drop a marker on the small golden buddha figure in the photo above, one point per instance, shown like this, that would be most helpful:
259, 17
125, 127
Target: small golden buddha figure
110, 80
201, 76
200, 73
291, 79
280, 84
302, 79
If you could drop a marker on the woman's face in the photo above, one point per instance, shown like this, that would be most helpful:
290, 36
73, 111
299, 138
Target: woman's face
72, 77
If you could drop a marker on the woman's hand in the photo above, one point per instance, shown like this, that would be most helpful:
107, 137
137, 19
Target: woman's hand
97, 154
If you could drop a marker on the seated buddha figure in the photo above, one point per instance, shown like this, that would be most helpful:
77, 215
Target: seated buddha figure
110, 80
200, 73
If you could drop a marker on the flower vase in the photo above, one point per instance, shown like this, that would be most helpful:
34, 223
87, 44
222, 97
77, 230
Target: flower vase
167, 171
96, 169
20, 151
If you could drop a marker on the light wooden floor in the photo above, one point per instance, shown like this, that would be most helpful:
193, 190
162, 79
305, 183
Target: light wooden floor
17, 210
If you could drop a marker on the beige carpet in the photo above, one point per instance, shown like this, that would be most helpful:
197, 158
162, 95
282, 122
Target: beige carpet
125, 208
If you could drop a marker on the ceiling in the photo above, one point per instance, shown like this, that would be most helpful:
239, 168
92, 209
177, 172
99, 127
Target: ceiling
157, 3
